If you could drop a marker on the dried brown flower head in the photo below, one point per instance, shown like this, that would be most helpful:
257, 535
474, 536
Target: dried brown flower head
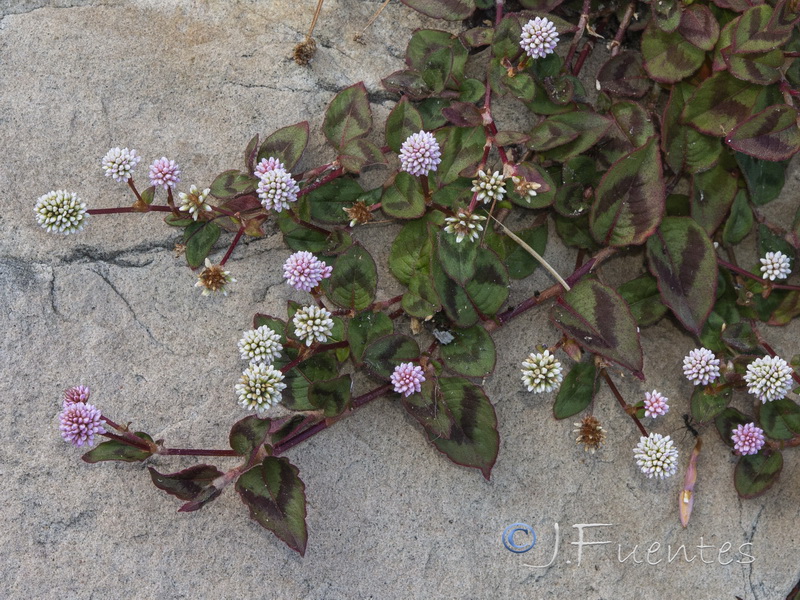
214, 279
305, 51
359, 213
590, 434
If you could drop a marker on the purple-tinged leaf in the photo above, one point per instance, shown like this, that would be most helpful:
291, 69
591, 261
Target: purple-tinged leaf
510, 138
738, 6
358, 154
194, 483
348, 117
720, 104
332, 396
365, 328
286, 144
457, 258
114, 450
477, 37
589, 126
471, 353
449, 10
541, 6
765, 179
624, 75
576, 391
249, 434
780, 419
727, 421
387, 352
682, 259
545, 195
199, 238
712, 196
474, 441
706, 406
740, 221
771, 135
354, 280
463, 114
403, 121
761, 29
462, 147
629, 202
327, 202
756, 473
600, 321
666, 14
250, 154
407, 82
668, 57
276, 498
404, 198
633, 126
761, 69
428, 408
788, 309
724, 44
439, 56
699, 26
230, 184
686, 148
644, 300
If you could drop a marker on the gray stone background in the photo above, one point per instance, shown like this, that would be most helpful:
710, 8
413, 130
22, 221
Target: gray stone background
115, 309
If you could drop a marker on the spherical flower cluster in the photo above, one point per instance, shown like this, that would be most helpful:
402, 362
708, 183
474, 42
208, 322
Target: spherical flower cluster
590, 433
277, 189
313, 323
747, 439
541, 372
464, 225
701, 367
214, 278
260, 345
656, 456
420, 154
61, 212
776, 265
655, 404
195, 201
303, 271
260, 387
79, 423
526, 189
118, 163
407, 378
165, 173
489, 187
266, 165
79, 393
539, 37
768, 378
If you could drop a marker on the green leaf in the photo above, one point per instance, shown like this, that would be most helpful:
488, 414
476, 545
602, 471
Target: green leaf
299, 236
230, 184
788, 309
249, 434
668, 57
332, 396
454, 299
429, 409
771, 135
462, 147
327, 202
727, 421
600, 321
568, 134
756, 473
287, 145
758, 32
407, 82
295, 396
354, 280
683, 260
740, 221
713, 192
199, 238
365, 328
403, 121
761, 69
633, 127
114, 450
474, 441
348, 117
488, 287
545, 195
149, 195
780, 419
192, 484
276, 498
471, 353
519, 262
404, 198
387, 352
667, 14
624, 75
421, 299
705, 407
699, 26
505, 41
764, 179
411, 250
719, 104
358, 154
629, 202
439, 56
644, 300
576, 391
686, 148
457, 259
450, 10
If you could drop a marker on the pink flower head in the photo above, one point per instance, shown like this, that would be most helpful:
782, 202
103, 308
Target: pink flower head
277, 189
420, 154
78, 393
655, 404
165, 173
79, 423
266, 165
407, 378
748, 439
701, 367
303, 271
539, 37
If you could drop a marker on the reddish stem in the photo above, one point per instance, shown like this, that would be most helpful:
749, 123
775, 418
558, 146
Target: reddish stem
233, 245
312, 186
128, 209
746, 273
625, 406
196, 452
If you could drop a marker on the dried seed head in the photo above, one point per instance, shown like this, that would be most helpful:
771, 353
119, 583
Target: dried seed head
305, 51
359, 213
590, 434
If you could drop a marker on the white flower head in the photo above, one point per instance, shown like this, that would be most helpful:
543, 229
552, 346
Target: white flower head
312, 324
526, 189
701, 367
776, 265
655, 404
464, 225
260, 387
420, 154
489, 187
260, 345
656, 456
539, 37
769, 378
277, 188
194, 202
541, 372
118, 163
61, 212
